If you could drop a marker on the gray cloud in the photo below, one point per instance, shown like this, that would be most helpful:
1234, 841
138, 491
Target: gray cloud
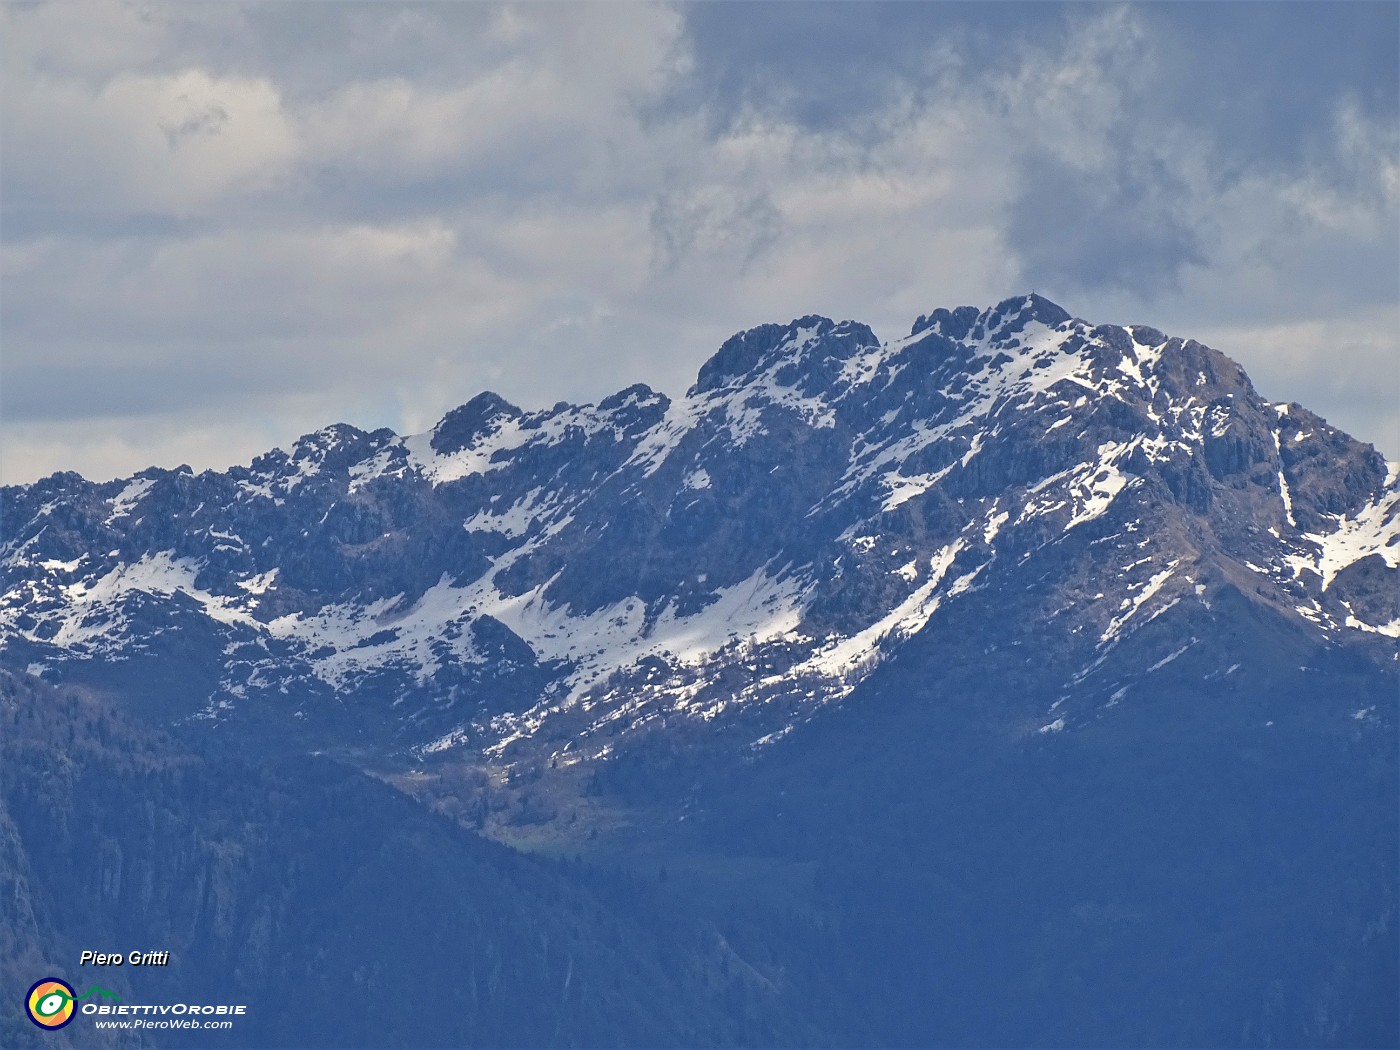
830, 66
227, 224
1119, 227
727, 222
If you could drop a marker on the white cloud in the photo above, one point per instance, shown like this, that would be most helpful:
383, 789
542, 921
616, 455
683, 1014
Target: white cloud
106, 38
149, 145
512, 198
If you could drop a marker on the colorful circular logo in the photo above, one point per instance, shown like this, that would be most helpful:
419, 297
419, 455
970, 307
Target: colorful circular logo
50, 1003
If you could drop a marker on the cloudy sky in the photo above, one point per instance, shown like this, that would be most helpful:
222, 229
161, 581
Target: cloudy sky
227, 224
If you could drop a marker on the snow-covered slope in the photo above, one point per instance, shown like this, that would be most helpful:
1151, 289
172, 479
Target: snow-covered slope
741, 555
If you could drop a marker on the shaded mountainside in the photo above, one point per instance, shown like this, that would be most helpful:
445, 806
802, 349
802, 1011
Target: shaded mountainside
1216, 865
1021, 681
340, 911
1201, 854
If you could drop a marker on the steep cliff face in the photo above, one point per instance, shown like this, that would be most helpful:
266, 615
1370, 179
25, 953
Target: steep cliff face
535, 584
338, 910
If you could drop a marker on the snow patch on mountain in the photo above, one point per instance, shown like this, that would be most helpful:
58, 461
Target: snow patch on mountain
1372, 530
126, 500
842, 658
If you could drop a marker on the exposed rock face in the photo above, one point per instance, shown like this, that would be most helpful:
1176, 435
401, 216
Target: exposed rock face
742, 555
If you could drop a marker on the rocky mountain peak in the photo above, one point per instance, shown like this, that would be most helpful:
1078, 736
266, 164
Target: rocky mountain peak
803, 343
464, 424
1016, 312
1006, 317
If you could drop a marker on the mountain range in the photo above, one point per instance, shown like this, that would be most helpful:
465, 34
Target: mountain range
1028, 660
